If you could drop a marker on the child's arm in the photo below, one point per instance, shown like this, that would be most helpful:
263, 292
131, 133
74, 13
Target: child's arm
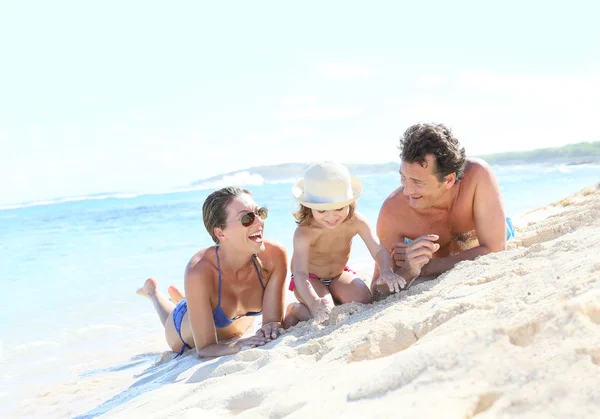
307, 293
380, 254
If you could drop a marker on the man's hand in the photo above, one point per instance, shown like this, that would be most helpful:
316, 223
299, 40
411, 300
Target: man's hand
270, 330
417, 254
394, 282
399, 253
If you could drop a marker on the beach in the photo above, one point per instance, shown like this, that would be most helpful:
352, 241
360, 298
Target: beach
511, 334
76, 341
118, 124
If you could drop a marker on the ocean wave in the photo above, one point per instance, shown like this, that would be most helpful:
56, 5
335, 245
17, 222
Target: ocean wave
37, 344
248, 178
244, 178
70, 199
99, 327
281, 181
543, 168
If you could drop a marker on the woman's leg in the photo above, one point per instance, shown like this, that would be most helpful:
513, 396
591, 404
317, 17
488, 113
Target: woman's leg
162, 304
175, 294
348, 287
164, 308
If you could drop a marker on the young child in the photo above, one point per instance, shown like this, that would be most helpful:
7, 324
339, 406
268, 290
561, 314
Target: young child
327, 222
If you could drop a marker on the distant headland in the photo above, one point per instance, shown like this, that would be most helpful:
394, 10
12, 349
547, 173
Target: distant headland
572, 154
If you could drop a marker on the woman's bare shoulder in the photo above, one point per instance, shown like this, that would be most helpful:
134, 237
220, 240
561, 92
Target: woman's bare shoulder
273, 251
202, 264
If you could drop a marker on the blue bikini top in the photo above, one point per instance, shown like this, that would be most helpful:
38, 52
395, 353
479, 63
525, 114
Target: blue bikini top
219, 316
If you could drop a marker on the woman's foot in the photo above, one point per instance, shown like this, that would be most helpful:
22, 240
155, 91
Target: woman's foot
175, 295
148, 289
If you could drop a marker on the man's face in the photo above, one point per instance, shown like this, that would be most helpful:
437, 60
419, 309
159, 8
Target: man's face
421, 184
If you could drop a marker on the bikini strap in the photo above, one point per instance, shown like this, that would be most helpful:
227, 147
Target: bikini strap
257, 271
219, 270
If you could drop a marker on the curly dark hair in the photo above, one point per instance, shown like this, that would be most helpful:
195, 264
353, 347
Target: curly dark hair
436, 139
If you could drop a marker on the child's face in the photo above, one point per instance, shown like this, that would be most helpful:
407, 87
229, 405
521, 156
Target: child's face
331, 218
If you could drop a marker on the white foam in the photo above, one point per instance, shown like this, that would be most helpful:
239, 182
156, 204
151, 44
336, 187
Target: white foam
37, 344
99, 327
280, 181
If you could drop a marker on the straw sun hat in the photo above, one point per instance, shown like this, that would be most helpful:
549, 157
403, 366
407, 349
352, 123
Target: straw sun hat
327, 186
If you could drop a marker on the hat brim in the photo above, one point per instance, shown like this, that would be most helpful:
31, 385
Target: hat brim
298, 192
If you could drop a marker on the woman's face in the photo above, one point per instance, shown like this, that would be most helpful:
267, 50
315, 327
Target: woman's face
236, 233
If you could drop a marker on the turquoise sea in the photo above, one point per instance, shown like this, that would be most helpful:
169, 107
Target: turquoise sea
69, 270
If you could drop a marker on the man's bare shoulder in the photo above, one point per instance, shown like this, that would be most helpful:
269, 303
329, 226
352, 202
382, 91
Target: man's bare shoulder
478, 171
394, 202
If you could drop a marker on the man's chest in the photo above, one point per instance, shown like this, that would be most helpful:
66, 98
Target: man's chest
447, 225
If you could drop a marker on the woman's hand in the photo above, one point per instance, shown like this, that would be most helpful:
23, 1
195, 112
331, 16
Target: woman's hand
251, 342
271, 330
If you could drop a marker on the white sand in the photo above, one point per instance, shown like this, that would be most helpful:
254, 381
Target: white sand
514, 334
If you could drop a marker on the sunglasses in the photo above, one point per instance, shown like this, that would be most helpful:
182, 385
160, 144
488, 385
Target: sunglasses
249, 217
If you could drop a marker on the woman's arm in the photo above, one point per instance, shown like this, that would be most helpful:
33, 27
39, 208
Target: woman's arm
197, 292
275, 257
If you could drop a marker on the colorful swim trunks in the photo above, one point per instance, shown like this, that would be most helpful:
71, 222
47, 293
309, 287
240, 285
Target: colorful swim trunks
326, 281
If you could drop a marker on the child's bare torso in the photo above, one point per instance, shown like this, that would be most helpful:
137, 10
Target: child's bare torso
330, 249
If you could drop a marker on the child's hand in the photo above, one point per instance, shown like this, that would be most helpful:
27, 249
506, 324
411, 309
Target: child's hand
394, 282
320, 310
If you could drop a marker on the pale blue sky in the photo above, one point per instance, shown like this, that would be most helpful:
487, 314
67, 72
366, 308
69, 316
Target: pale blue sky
131, 96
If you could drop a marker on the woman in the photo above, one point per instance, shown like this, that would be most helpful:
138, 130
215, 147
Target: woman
228, 284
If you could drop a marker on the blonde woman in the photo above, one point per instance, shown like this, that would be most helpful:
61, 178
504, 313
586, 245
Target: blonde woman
226, 285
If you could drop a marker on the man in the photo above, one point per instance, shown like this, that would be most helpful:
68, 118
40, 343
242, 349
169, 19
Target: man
447, 209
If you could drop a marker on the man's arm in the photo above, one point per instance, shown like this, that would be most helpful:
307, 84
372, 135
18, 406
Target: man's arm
490, 222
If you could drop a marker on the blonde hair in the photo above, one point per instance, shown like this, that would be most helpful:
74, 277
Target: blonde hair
304, 215
214, 209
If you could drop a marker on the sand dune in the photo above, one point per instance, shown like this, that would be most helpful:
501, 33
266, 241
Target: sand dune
514, 334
